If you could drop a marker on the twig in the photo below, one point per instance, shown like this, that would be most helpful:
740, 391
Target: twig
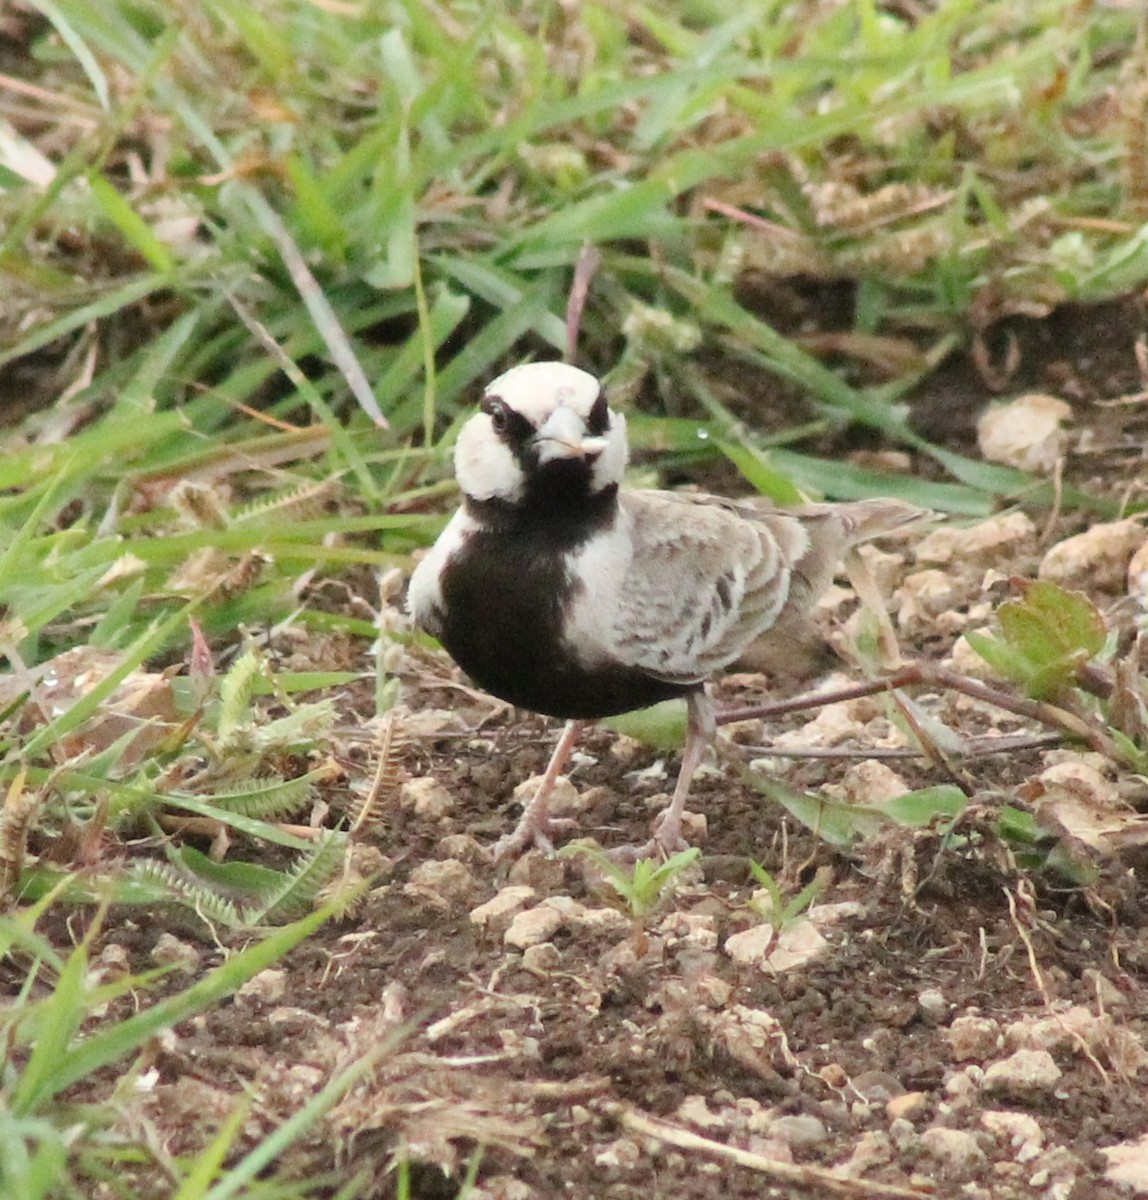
589, 259
932, 675
982, 747
815, 1179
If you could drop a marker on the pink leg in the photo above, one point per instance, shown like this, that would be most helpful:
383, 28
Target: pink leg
667, 839
534, 825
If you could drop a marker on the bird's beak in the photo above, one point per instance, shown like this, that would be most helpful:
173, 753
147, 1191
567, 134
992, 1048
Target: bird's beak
563, 435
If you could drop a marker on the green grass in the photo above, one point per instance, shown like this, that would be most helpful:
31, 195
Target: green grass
256, 260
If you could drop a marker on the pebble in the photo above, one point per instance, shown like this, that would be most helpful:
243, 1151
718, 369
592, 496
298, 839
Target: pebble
533, 926
923, 596
564, 799
910, 1106
268, 986
443, 883
1025, 433
956, 1147
427, 797
871, 782
1098, 558
1128, 1164
695, 1111
622, 1153
169, 951
1068, 1029
508, 901
113, 962
503, 1187
798, 943
973, 1038
1022, 1074
543, 958
699, 929
998, 537
1022, 1132
800, 1131
877, 1087
933, 1003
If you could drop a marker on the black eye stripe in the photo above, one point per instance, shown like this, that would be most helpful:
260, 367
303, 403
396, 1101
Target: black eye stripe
599, 419
510, 425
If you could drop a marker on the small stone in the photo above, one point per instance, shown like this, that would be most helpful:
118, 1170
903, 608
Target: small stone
623, 1154
910, 1106
1097, 559
873, 1148
834, 1075
543, 958
598, 920
1025, 433
1128, 1164
973, 1038
463, 846
508, 901
958, 1084
1022, 1132
268, 987
503, 1187
997, 538
955, 1147
871, 782
300, 1019
933, 1003
169, 951
800, 1131
877, 1087
541, 923
966, 661
1068, 1029
427, 797
699, 929
695, 1111
1080, 798
798, 943
564, 799
1022, 1074
923, 596
444, 884
1107, 993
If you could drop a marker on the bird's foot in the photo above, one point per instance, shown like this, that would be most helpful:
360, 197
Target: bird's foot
533, 831
667, 840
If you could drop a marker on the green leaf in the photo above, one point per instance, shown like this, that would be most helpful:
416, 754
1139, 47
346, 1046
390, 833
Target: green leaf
662, 726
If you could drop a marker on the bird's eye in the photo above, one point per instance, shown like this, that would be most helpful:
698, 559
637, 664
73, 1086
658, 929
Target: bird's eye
498, 413
599, 419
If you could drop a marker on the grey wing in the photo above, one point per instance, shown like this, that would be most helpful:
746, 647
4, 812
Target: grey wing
702, 583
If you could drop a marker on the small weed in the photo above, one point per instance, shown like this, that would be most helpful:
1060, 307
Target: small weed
646, 886
776, 910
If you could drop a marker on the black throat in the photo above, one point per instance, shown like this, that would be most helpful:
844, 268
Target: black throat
557, 506
505, 596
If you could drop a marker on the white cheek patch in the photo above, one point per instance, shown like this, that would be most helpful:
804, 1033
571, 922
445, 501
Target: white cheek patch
610, 465
484, 465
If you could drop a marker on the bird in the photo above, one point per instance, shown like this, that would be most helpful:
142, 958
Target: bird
559, 590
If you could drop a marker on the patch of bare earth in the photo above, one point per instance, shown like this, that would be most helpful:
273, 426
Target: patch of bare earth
938, 1022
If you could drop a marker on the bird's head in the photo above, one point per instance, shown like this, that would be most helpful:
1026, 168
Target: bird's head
543, 434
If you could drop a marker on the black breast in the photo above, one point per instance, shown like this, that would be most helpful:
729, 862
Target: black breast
503, 602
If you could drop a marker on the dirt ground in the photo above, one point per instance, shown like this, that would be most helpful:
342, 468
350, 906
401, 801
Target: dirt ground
938, 1022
